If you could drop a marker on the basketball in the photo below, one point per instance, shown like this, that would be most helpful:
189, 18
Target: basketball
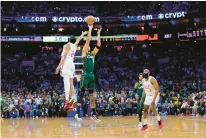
90, 20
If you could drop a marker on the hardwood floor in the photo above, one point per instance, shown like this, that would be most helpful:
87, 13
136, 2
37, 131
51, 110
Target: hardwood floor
108, 127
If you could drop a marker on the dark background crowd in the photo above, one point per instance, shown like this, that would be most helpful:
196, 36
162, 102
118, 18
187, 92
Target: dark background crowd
29, 87
104, 8
35, 90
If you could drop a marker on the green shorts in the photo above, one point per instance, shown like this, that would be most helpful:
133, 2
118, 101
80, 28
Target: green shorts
87, 81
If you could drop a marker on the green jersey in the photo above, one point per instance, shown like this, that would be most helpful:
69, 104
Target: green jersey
139, 90
88, 63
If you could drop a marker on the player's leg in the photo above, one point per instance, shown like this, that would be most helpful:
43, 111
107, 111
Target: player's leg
66, 86
145, 115
72, 73
154, 110
147, 104
91, 87
79, 103
83, 84
140, 116
93, 105
92, 101
139, 112
71, 93
71, 104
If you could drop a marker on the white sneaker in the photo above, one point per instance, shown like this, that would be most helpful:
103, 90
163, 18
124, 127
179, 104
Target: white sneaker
95, 118
77, 118
140, 124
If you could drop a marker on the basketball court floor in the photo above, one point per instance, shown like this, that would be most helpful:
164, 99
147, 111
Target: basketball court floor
108, 127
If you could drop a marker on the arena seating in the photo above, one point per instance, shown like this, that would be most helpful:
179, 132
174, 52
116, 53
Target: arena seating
181, 81
19, 9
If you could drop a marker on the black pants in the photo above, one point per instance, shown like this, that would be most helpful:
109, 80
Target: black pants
129, 110
21, 113
184, 110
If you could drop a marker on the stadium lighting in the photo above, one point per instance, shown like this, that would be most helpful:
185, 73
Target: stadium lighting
61, 29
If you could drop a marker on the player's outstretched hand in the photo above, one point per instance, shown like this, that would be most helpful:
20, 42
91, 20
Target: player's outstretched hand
57, 70
85, 32
99, 31
90, 26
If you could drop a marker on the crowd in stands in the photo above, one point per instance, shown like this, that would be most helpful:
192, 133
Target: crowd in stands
32, 90
47, 9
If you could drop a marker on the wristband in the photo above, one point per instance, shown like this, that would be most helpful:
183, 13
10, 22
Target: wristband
98, 35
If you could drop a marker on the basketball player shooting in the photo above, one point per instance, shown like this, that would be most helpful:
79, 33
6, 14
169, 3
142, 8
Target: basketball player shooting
151, 91
88, 78
67, 68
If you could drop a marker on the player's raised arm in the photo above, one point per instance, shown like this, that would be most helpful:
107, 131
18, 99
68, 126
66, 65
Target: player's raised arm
86, 46
156, 86
66, 49
80, 38
96, 49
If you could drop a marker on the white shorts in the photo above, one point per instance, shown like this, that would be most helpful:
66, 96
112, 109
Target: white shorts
68, 69
149, 99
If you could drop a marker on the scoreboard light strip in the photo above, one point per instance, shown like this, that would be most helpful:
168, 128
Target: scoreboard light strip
65, 38
55, 38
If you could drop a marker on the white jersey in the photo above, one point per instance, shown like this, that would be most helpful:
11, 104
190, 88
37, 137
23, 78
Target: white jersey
68, 66
148, 87
72, 51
